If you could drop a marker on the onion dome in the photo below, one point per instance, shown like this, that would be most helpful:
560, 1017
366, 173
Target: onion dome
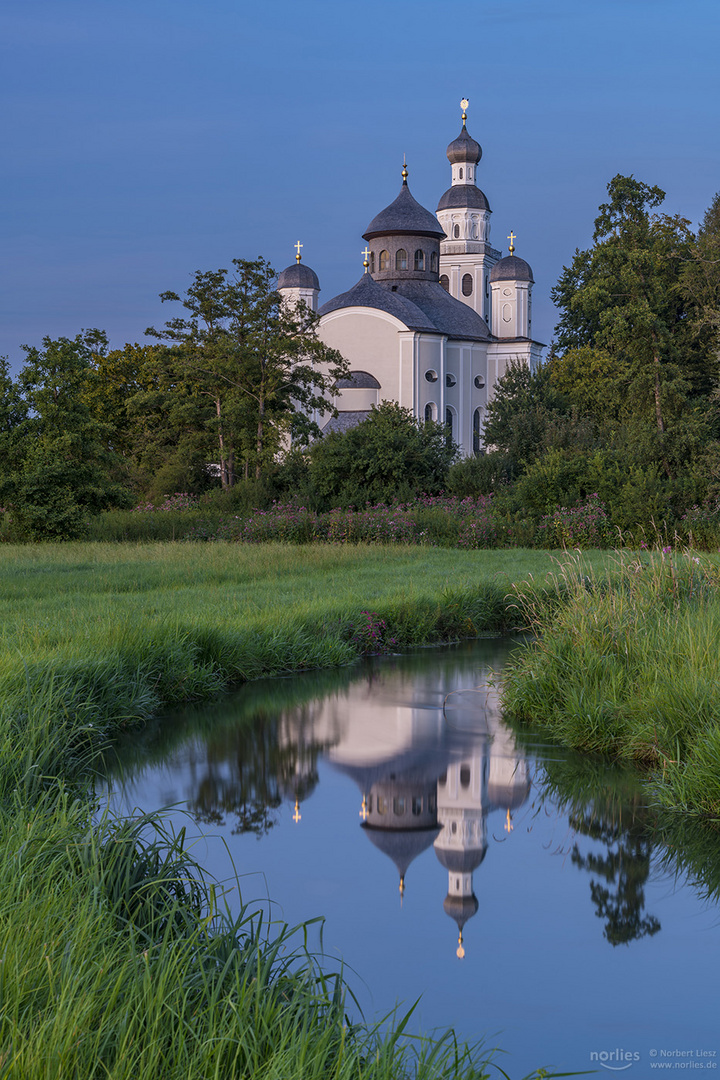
463, 195
464, 149
459, 860
404, 215
298, 276
461, 908
511, 268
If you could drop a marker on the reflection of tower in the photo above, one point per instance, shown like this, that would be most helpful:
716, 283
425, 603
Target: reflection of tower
508, 776
462, 844
401, 819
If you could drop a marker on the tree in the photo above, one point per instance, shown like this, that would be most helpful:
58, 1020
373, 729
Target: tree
390, 456
256, 359
60, 459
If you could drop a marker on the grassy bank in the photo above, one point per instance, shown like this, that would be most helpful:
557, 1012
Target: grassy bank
629, 665
118, 960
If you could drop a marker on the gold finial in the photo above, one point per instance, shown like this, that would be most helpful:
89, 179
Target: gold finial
404, 171
297, 816
508, 822
460, 952
363, 808
511, 238
298, 257
402, 888
463, 105
366, 252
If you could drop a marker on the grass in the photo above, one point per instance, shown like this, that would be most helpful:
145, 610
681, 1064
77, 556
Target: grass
628, 665
117, 958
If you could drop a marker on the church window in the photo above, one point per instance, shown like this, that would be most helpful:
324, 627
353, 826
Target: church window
479, 382
442, 780
456, 231
467, 284
419, 259
398, 806
401, 259
432, 807
431, 375
445, 282
477, 432
381, 805
372, 262
450, 380
464, 776
384, 260
448, 426
368, 803
460, 175
453, 827
433, 261
429, 411
417, 805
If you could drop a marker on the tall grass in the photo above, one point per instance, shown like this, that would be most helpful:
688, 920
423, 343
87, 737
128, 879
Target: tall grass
629, 665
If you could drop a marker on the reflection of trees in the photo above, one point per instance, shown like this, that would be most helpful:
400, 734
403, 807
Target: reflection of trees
624, 869
250, 771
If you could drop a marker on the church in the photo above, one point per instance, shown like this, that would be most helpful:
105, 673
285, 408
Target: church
438, 314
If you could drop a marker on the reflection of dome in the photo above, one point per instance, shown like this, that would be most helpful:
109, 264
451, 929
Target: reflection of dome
459, 861
509, 796
460, 908
402, 846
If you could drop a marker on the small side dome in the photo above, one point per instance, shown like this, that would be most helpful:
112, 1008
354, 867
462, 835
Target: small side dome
464, 149
298, 276
461, 196
511, 268
358, 380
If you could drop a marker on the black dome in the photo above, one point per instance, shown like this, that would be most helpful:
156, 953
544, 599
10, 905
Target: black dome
462, 195
298, 276
404, 215
511, 268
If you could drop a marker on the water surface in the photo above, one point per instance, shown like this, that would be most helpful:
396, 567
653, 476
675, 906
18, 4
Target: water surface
523, 894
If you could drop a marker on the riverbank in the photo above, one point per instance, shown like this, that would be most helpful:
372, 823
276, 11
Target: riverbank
628, 665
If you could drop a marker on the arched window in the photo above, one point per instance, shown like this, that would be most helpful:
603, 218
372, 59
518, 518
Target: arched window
384, 260
372, 262
456, 231
419, 259
429, 412
449, 426
445, 282
398, 806
464, 776
417, 805
433, 261
467, 284
401, 259
460, 176
477, 431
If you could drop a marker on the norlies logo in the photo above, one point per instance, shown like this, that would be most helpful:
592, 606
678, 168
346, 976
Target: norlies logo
616, 1060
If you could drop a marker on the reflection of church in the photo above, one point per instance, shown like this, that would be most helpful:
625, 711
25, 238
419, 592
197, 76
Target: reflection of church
438, 314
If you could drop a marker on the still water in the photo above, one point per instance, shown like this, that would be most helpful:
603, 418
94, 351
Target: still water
525, 896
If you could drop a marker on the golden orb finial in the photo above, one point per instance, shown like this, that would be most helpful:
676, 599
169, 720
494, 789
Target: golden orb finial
366, 264
463, 105
298, 257
460, 952
402, 888
512, 237
404, 170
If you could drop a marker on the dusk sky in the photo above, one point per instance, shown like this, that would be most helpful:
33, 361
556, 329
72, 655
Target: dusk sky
146, 139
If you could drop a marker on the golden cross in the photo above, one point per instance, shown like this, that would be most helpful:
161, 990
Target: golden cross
297, 816
508, 822
366, 252
364, 809
512, 237
297, 248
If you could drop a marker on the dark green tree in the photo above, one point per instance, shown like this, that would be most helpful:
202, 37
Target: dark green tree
390, 456
256, 361
61, 465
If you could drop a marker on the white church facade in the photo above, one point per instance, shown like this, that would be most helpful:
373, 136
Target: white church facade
438, 314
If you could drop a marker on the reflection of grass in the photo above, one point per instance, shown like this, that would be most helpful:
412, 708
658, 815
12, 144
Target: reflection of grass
630, 666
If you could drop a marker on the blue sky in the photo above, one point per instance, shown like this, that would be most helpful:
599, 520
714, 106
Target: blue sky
146, 139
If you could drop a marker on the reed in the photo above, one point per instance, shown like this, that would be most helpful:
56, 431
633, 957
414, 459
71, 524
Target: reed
628, 665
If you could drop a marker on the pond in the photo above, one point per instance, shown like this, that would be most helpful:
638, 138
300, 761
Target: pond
524, 895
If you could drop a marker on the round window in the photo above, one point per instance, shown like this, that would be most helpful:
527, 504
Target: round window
479, 382
450, 380
431, 375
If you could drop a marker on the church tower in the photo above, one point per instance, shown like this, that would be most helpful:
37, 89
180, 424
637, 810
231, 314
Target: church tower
299, 282
466, 256
511, 282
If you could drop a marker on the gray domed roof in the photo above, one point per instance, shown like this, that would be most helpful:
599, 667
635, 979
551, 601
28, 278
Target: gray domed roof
462, 195
404, 215
511, 268
509, 796
461, 908
401, 845
459, 861
464, 148
367, 293
298, 276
